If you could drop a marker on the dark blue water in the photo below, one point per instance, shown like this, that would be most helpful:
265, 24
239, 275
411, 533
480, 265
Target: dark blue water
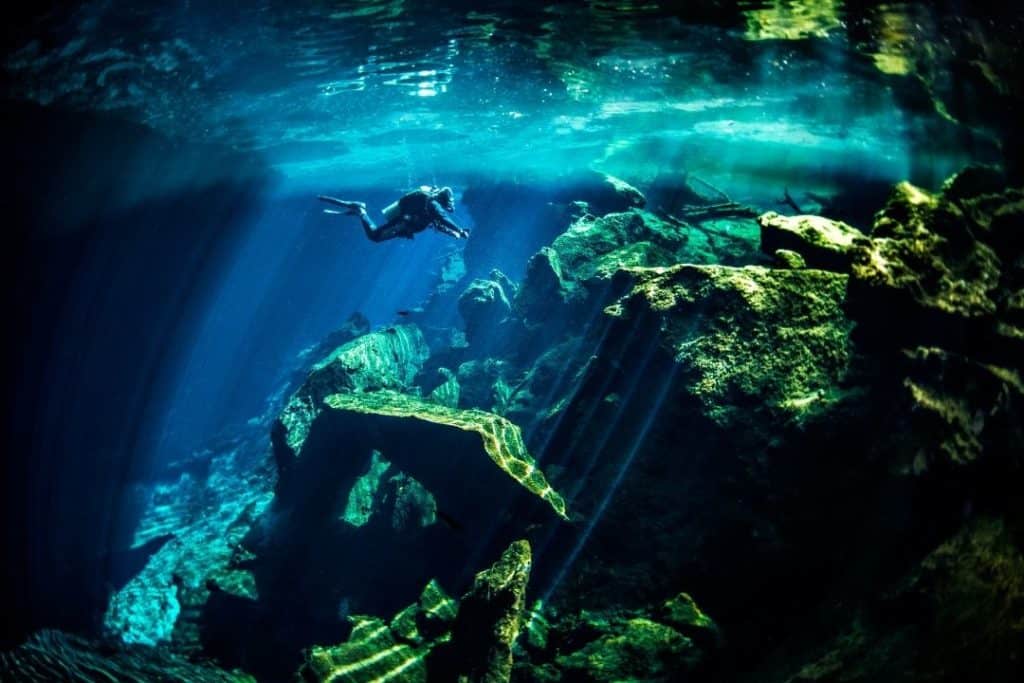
171, 280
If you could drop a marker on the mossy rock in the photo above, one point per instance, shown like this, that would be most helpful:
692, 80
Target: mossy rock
490, 618
938, 271
585, 250
393, 650
748, 336
498, 439
388, 359
823, 243
436, 637
643, 650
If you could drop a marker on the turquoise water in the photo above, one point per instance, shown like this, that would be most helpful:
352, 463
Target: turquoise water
723, 385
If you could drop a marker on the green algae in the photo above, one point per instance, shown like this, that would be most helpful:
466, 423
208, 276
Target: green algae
490, 618
359, 504
777, 337
502, 440
823, 243
379, 650
387, 359
436, 637
641, 649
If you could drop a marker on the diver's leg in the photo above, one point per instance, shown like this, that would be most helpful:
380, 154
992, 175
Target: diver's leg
373, 233
388, 231
353, 207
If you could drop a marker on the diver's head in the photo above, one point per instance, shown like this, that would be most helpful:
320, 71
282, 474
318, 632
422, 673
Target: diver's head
445, 198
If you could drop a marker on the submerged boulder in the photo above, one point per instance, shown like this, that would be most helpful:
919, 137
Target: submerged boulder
961, 410
512, 220
748, 339
398, 422
489, 621
933, 275
388, 359
484, 304
380, 650
822, 243
957, 615
662, 643
436, 638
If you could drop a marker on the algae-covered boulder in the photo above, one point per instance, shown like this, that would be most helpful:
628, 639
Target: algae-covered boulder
436, 638
928, 277
589, 248
379, 650
748, 339
662, 643
485, 446
544, 287
822, 243
388, 359
484, 384
484, 304
489, 620
961, 409
639, 650
784, 258
502, 208
973, 587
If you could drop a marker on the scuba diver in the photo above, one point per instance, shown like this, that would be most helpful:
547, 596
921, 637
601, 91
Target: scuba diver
414, 212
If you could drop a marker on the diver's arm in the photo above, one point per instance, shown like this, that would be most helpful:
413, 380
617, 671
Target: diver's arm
443, 224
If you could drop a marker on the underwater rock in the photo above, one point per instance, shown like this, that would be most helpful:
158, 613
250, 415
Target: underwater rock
407, 503
973, 586
447, 393
500, 208
208, 518
783, 333
484, 305
489, 620
682, 613
356, 326
784, 258
659, 643
592, 248
822, 243
962, 410
484, 385
474, 476
377, 650
388, 359
394, 496
362, 497
543, 287
434, 315
638, 650
55, 656
436, 638
927, 276
540, 394
499, 440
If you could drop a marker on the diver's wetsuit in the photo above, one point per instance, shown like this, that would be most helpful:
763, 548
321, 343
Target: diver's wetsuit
417, 211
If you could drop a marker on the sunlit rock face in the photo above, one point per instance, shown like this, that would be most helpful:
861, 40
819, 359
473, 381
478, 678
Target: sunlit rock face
381, 360
437, 638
